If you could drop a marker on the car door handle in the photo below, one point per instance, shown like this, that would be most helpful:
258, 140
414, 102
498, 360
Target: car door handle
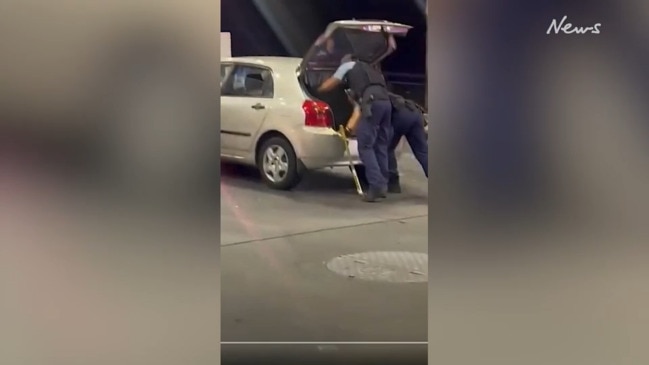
258, 106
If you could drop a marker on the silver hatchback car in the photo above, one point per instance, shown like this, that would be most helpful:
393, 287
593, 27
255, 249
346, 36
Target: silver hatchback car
272, 116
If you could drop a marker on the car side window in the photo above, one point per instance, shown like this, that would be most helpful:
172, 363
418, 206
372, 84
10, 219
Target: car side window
249, 81
226, 70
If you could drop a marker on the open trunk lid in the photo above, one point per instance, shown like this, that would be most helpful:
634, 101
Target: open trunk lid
369, 40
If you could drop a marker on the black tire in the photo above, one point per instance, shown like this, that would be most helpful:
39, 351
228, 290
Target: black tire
293, 171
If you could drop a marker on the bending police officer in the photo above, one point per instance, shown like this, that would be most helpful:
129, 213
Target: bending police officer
374, 129
408, 121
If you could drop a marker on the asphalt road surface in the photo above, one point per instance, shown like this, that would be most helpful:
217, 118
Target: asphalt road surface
275, 284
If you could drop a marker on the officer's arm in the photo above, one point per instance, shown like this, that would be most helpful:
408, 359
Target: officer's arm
354, 118
329, 84
337, 78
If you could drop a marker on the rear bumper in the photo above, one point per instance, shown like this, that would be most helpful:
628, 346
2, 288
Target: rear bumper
320, 148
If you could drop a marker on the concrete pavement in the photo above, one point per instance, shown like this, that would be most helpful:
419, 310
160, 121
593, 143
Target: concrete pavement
275, 285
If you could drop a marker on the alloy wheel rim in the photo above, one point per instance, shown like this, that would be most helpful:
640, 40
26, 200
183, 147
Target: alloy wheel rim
275, 163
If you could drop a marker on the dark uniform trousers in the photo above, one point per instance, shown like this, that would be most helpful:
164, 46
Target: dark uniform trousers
410, 124
374, 133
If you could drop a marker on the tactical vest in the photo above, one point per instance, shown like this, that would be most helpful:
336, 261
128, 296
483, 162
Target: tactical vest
366, 83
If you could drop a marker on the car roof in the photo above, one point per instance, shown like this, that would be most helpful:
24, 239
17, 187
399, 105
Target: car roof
268, 61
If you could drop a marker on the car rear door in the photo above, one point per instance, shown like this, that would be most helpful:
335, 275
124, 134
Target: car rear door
369, 40
246, 97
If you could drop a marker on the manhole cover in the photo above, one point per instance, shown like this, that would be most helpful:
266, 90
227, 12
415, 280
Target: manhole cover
386, 266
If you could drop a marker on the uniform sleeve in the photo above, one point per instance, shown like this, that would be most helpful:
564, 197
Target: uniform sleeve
343, 69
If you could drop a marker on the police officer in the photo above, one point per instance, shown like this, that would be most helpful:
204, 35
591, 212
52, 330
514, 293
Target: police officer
408, 121
374, 130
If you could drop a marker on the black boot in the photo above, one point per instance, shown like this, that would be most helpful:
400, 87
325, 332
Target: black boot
372, 196
394, 186
383, 193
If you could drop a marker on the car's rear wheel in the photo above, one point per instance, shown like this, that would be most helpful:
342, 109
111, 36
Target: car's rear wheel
278, 165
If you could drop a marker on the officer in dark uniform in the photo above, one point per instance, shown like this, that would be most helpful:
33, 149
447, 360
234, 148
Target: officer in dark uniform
374, 129
408, 121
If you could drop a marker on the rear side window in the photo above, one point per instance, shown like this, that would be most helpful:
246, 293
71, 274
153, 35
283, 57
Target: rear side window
249, 81
225, 72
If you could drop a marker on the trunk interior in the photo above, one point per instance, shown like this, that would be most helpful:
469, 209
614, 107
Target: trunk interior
337, 99
369, 40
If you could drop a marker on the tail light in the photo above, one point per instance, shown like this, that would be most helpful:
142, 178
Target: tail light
317, 114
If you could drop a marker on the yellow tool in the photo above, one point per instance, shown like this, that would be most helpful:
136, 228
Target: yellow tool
343, 136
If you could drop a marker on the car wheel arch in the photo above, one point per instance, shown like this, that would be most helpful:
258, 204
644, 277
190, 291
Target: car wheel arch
263, 137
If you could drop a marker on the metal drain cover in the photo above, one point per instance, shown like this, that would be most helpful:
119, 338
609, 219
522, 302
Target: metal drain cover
386, 266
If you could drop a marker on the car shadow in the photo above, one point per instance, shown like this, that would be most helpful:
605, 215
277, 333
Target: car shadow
313, 182
328, 187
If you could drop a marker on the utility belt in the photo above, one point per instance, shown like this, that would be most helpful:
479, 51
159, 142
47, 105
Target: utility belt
368, 98
420, 111
363, 96
366, 105
402, 104
365, 100
360, 98
413, 107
